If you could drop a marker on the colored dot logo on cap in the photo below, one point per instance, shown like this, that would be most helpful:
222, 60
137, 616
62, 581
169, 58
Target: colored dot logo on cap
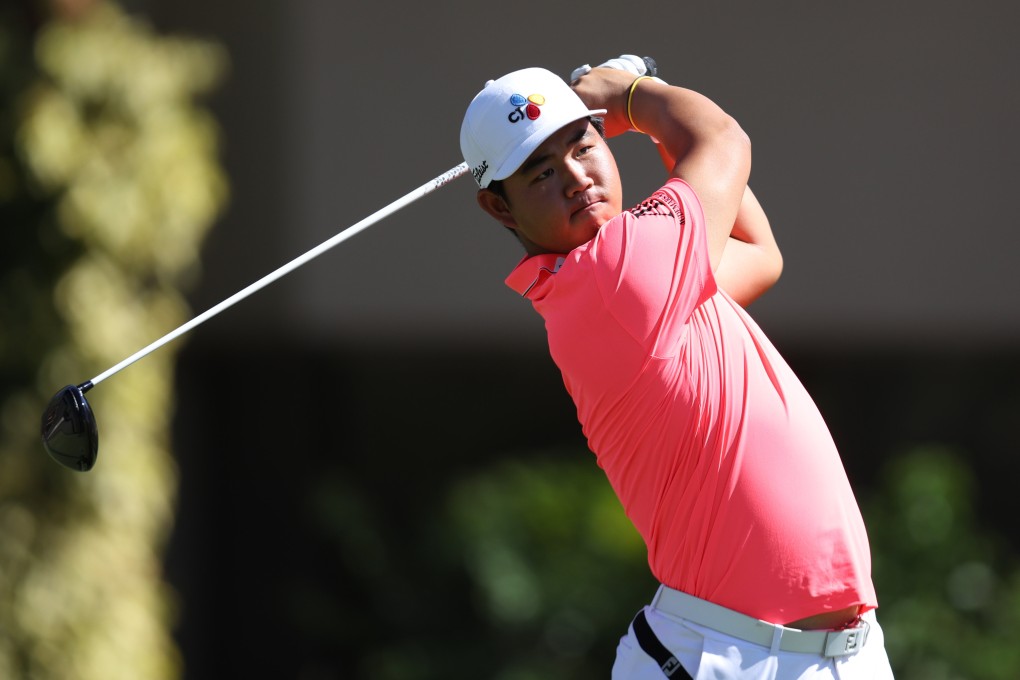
534, 101
528, 106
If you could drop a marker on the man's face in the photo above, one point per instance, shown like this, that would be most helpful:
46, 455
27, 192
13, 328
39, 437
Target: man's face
562, 195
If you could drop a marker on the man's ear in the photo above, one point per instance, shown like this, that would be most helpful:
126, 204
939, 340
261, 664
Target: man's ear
496, 206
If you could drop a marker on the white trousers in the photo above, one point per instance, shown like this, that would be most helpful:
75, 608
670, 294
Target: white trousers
709, 655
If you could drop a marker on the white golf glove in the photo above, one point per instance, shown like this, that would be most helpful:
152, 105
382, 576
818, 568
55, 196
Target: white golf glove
628, 62
639, 66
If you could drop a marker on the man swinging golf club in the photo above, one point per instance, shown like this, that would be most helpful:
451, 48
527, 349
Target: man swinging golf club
716, 451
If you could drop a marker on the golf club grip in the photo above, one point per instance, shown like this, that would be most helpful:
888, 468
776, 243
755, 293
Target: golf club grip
427, 188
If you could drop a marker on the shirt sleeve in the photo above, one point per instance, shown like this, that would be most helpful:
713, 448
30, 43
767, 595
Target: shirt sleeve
652, 267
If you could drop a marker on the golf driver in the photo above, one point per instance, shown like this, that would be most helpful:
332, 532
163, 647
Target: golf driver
69, 431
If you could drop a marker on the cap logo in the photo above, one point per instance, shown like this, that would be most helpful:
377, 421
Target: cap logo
525, 107
478, 172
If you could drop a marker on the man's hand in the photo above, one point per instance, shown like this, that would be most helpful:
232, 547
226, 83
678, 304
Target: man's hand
600, 91
639, 66
607, 88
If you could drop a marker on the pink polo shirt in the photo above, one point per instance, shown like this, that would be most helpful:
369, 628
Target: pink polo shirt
718, 454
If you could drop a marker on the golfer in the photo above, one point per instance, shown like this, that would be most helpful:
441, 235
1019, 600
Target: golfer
719, 456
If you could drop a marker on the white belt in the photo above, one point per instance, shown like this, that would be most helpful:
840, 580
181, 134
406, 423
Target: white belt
827, 643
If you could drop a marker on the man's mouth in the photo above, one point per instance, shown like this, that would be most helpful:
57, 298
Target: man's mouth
586, 207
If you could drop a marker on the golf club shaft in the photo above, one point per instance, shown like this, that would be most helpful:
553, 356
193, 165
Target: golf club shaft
424, 189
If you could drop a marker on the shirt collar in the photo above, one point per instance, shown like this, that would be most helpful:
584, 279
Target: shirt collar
532, 270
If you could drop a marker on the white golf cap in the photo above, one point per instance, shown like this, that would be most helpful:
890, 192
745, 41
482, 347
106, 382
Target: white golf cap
511, 117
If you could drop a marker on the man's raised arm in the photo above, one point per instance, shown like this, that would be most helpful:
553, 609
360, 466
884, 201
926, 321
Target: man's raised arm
712, 152
689, 129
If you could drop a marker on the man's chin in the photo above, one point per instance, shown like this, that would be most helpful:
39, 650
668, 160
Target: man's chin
591, 221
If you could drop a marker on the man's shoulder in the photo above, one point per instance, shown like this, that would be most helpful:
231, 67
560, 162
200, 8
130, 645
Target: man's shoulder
669, 199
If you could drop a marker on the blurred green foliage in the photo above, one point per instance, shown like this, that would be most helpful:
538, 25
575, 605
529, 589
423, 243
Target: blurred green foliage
557, 570
949, 588
553, 572
109, 180
528, 570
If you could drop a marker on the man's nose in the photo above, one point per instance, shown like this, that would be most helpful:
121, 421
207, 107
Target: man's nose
577, 179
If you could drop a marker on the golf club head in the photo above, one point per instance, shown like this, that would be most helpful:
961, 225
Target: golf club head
69, 431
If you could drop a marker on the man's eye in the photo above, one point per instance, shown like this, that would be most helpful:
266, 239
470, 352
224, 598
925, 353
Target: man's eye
544, 174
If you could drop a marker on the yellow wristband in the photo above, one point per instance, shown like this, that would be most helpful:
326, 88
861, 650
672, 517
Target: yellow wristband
630, 98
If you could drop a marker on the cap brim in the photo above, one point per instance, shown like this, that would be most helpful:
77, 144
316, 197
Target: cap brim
525, 149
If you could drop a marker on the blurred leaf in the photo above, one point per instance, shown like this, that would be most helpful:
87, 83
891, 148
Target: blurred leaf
555, 563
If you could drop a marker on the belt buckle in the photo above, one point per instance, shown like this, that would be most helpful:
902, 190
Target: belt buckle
846, 641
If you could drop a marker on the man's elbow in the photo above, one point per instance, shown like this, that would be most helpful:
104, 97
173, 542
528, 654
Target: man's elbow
736, 137
770, 265
735, 144
775, 267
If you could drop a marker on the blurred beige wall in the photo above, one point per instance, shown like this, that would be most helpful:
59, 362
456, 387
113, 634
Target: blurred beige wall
884, 134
